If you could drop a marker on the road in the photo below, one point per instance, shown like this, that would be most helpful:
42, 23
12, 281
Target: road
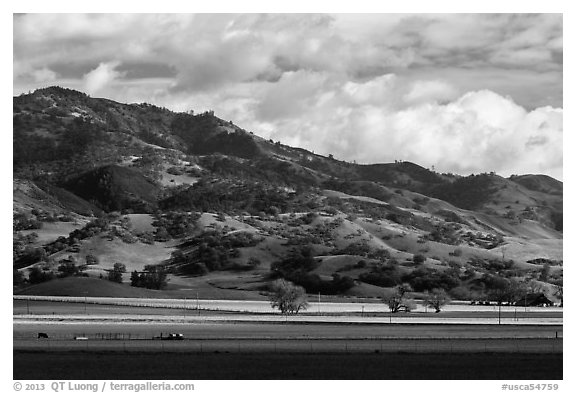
253, 306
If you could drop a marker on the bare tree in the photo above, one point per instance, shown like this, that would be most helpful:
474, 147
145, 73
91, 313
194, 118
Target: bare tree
437, 299
397, 300
287, 297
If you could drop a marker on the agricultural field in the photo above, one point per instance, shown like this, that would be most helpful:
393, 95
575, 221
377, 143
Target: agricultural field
110, 335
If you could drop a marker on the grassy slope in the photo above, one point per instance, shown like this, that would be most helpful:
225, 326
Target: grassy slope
141, 223
51, 231
134, 255
87, 286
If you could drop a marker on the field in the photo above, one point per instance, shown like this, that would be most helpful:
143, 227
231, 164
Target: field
219, 366
347, 345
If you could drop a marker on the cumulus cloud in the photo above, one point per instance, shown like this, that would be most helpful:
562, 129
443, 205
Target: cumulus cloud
101, 77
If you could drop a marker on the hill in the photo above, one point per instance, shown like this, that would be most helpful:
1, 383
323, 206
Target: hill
541, 183
225, 211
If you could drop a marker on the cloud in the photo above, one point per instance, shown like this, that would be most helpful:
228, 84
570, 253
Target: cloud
101, 77
208, 51
430, 91
477, 132
44, 75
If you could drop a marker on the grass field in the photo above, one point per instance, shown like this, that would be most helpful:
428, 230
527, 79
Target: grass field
327, 366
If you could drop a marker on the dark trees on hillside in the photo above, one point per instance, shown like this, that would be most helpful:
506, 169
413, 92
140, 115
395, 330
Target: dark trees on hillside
202, 136
228, 197
17, 277
115, 274
37, 276
384, 275
68, 267
29, 256
153, 277
299, 260
297, 268
466, 192
114, 188
75, 139
23, 221
423, 279
211, 251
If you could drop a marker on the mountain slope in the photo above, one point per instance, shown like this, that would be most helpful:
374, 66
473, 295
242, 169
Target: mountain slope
220, 207
116, 188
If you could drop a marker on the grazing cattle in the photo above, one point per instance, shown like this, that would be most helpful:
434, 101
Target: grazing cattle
42, 335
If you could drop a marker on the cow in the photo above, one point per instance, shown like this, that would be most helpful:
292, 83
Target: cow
42, 335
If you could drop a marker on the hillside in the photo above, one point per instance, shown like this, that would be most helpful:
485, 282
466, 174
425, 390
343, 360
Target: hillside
205, 205
115, 188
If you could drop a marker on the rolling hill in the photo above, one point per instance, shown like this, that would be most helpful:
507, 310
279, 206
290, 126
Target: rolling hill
220, 208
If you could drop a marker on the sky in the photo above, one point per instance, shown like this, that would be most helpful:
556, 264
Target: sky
460, 93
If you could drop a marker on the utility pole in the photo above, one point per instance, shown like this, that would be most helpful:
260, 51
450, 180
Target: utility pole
197, 303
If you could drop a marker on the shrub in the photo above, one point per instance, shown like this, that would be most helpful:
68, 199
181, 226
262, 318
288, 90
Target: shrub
115, 275
68, 268
419, 259
37, 276
91, 260
360, 264
457, 252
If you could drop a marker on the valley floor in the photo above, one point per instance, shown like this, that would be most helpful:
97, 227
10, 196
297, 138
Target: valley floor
124, 342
